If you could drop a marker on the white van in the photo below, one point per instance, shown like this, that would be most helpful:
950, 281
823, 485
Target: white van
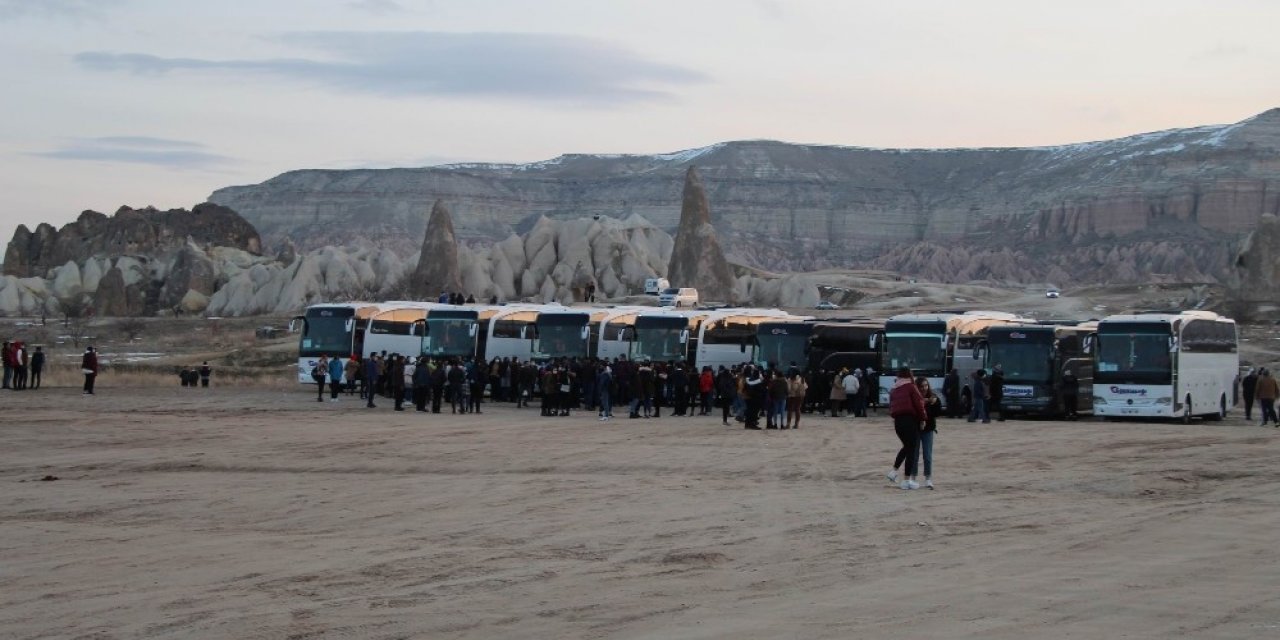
682, 297
654, 286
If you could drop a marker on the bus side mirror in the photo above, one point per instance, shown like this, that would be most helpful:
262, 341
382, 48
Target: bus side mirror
1173, 344
1087, 344
684, 336
875, 339
298, 322
524, 330
980, 350
351, 324
586, 332
471, 330
418, 324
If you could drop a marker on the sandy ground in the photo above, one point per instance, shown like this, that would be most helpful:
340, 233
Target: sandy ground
233, 514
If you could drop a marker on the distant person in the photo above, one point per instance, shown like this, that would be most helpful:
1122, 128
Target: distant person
335, 378
396, 380
604, 391
444, 298
471, 299
754, 389
951, 393
932, 409
19, 366
837, 396
89, 367
996, 393
1070, 395
205, 372
351, 371
1267, 390
1248, 388
727, 390
778, 391
979, 389
37, 367
320, 373
370, 381
796, 390
7, 356
906, 407
422, 384
851, 388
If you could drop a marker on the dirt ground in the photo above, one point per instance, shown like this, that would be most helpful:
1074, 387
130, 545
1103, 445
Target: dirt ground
232, 513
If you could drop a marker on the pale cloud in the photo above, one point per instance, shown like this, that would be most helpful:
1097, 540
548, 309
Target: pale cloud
377, 7
58, 9
161, 152
522, 66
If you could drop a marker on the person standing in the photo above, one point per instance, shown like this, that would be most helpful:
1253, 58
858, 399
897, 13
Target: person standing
1248, 388
932, 409
350, 372
706, 386
37, 366
778, 390
996, 392
951, 393
89, 366
19, 366
396, 371
906, 408
837, 395
457, 377
851, 388
754, 390
726, 387
335, 378
978, 388
796, 390
1070, 395
6, 355
477, 375
421, 384
319, 373
604, 391
1266, 391
370, 381
205, 372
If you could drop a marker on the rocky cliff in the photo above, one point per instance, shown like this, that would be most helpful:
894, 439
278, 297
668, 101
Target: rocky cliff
129, 232
696, 259
437, 270
1019, 214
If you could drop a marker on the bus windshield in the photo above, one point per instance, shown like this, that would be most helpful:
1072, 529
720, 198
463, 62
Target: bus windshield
449, 337
1135, 354
1023, 361
921, 353
659, 341
326, 333
561, 337
782, 346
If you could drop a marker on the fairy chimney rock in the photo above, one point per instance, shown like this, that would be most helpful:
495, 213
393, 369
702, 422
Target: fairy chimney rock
438, 265
697, 260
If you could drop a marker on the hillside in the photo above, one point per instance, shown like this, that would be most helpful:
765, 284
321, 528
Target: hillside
1168, 205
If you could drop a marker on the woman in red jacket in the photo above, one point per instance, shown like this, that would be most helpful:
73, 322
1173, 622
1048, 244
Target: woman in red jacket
906, 407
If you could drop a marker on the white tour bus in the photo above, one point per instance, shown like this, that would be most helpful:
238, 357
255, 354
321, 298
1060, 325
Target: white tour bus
337, 329
931, 344
728, 336
1164, 365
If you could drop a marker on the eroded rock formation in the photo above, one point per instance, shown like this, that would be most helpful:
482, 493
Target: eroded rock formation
129, 232
437, 269
697, 260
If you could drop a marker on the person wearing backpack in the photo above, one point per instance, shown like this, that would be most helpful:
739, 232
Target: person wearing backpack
318, 373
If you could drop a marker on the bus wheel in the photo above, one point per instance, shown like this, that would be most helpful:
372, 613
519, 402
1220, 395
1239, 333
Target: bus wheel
1222, 409
1186, 411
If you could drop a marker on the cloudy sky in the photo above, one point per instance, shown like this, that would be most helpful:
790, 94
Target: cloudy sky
137, 102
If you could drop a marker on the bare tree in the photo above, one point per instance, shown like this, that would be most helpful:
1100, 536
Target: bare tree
131, 327
75, 317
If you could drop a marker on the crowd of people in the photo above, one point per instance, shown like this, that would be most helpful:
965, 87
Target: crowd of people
22, 366
744, 393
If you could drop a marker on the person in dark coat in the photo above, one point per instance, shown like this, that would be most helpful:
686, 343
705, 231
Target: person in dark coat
370, 380
421, 384
1070, 395
951, 393
997, 393
457, 377
37, 366
1248, 386
726, 389
438, 382
397, 381
89, 366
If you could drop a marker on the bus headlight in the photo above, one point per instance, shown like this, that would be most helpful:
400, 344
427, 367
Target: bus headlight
1099, 400
1164, 400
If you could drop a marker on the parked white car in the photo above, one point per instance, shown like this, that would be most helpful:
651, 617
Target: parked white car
827, 305
681, 297
1052, 293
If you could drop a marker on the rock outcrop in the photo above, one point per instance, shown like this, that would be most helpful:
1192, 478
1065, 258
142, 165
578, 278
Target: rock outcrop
437, 269
1254, 289
129, 232
786, 207
696, 259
